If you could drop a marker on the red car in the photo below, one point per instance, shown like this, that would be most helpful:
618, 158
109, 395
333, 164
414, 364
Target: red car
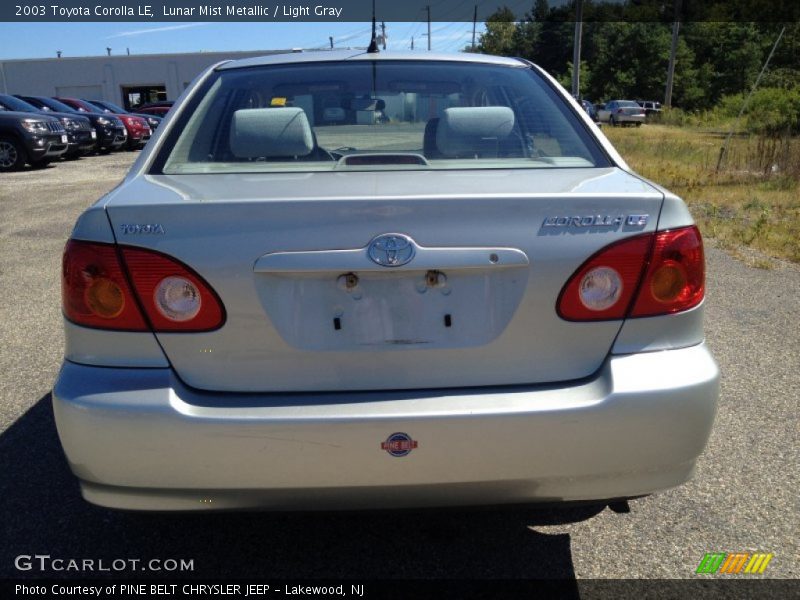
159, 110
138, 129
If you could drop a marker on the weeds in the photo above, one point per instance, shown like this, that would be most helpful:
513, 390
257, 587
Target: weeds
751, 201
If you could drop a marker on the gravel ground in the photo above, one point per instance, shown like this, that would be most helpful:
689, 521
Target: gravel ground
743, 498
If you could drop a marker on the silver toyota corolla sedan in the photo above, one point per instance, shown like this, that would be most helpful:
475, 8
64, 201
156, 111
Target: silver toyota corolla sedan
353, 280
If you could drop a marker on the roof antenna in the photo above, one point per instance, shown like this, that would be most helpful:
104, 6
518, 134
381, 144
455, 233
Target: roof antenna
373, 44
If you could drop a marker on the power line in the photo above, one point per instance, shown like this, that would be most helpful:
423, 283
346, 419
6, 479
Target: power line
458, 43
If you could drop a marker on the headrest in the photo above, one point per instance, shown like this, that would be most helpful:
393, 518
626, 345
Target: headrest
270, 132
469, 129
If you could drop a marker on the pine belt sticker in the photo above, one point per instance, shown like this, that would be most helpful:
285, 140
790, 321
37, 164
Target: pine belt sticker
278, 102
399, 444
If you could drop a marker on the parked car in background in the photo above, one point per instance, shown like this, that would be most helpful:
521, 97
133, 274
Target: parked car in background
27, 138
81, 136
621, 112
475, 303
139, 131
590, 110
109, 107
651, 107
155, 108
111, 132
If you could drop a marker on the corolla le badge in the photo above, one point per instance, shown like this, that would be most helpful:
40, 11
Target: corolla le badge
596, 221
399, 444
391, 249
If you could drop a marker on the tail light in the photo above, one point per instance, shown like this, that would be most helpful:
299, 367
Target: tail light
174, 297
612, 275
130, 289
675, 278
95, 291
646, 275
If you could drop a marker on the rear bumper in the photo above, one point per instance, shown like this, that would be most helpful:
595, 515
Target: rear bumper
623, 118
140, 439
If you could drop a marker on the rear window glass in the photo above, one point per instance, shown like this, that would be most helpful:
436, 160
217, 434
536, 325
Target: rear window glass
376, 115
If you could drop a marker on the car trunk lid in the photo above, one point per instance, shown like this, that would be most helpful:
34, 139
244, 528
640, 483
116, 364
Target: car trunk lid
303, 265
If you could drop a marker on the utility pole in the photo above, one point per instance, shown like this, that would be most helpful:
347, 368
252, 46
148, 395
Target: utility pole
412, 42
724, 150
383, 34
330, 37
428, 8
576, 50
672, 53
108, 50
474, 23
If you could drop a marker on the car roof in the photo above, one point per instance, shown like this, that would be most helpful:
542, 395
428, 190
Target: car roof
354, 55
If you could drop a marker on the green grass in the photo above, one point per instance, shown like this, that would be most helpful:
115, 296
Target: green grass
748, 203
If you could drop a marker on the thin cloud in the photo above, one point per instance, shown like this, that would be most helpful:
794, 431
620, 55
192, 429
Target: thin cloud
155, 30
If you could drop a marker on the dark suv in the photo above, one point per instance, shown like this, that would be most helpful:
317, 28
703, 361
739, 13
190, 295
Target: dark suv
111, 132
138, 129
35, 139
81, 136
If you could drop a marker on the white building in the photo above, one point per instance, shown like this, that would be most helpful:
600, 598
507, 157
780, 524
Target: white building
127, 80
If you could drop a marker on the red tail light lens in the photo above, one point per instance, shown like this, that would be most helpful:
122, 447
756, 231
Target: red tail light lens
675, 278
643, 276
106, 286
174, 297
95, 291
582, 297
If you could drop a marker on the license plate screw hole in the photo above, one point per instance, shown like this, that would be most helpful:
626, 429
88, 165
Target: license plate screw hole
337, 323
348, 282
448, 321
493, 258
435, 279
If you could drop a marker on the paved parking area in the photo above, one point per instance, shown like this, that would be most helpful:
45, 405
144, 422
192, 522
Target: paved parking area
743, 498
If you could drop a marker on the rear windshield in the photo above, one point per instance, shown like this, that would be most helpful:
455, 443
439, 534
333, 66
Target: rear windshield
381, 115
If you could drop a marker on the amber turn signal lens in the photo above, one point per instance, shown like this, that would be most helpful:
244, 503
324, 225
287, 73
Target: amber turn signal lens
668, 282
105, 298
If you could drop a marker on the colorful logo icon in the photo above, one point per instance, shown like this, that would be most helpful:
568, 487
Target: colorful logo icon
732, 563
399, 444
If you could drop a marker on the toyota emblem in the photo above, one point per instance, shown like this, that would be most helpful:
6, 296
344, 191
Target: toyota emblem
391, 249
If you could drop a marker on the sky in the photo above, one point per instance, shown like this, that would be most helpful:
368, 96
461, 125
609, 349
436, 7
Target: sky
42, 40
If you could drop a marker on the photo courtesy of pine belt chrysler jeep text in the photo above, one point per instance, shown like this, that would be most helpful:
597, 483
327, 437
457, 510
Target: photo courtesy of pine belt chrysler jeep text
355, 280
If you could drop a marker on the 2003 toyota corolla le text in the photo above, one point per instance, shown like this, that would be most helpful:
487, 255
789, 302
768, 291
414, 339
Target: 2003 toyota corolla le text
345, 279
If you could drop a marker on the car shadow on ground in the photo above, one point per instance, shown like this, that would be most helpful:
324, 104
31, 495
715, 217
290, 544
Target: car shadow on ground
43, 513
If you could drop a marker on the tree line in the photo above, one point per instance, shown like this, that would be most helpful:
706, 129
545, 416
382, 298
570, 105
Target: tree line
717, 58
